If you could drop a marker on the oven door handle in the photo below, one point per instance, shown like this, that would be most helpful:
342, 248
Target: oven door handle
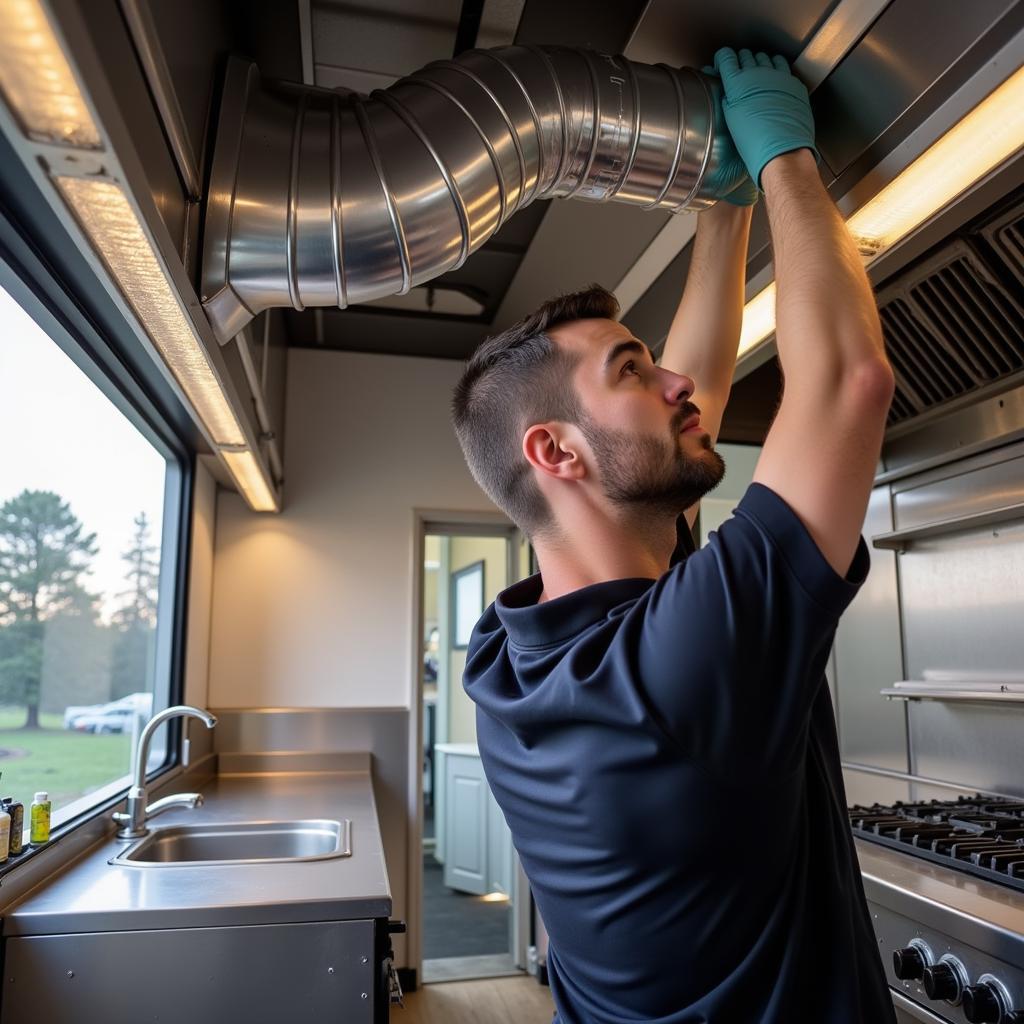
915, 1010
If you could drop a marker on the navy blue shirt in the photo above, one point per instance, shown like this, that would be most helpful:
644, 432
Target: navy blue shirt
664, 752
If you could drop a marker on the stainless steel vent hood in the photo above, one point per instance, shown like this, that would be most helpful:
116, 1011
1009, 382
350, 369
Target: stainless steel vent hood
953, 323
321, 200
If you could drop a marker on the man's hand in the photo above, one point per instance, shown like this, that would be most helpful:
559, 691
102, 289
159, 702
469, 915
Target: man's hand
766, 109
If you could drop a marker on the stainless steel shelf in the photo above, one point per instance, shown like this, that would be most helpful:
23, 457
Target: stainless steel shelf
899, 539
983, 693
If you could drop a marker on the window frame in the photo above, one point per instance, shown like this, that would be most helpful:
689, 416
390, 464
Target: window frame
66, 319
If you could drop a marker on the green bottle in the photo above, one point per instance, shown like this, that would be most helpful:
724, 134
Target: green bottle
39, 829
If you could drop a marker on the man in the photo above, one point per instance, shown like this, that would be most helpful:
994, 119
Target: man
656, 728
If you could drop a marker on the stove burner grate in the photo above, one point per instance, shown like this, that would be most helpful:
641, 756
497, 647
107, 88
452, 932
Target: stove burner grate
980, 835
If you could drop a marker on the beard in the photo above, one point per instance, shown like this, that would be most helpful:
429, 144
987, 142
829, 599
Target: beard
653, 474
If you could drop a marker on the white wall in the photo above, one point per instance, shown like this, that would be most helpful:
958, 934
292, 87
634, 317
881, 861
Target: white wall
740, 463
200, 588
313, 607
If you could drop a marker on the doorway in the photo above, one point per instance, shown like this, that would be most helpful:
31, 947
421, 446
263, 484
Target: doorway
475, 901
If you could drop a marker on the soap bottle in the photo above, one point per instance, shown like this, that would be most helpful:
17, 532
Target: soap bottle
16, 809
39, 830
5, 835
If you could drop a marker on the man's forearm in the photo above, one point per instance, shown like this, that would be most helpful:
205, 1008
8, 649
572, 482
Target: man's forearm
826, 318
705, 331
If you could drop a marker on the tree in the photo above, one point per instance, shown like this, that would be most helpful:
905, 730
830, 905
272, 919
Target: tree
136, 618
44, 554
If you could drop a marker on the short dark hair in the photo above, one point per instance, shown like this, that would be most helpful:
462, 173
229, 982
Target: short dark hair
514, 379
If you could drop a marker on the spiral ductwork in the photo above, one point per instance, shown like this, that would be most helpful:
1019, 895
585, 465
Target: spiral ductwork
322, 199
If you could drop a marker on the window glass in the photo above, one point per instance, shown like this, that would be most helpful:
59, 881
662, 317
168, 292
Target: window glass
81, 532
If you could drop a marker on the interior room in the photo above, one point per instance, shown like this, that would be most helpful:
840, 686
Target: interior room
249, 579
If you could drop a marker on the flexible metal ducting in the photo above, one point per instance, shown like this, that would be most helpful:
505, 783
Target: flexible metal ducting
322, 199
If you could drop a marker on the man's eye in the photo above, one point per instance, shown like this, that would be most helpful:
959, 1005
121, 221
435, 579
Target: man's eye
630, 366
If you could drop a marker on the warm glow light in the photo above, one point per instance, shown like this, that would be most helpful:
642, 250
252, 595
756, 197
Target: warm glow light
990, 133
979, 142
758, 319
111, 224
251, 481
494, 897
37, 81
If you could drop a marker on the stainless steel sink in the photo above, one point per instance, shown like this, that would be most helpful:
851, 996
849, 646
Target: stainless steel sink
247, 842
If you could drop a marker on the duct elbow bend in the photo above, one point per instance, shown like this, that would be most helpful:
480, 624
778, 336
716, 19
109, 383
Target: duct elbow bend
319, 199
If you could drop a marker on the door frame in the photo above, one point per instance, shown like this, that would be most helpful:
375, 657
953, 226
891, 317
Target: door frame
457, 522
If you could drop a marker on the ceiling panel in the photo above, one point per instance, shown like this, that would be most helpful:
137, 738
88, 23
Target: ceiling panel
369, 46
688, 32
384, 39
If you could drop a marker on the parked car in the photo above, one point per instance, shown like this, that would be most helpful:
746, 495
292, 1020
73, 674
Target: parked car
104, 717
114, 720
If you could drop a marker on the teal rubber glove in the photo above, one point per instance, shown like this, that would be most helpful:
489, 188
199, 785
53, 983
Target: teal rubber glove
727, 164
766, 109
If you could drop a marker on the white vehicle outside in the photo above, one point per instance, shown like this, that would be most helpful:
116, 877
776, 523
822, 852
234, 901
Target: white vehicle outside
110, 714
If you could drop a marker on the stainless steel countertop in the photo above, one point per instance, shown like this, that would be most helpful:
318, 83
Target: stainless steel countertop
92, 895
988, 915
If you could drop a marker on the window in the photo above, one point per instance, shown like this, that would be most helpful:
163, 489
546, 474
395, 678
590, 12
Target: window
89, 499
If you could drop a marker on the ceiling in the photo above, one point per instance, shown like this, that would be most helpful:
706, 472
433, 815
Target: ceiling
551, 246
876, 69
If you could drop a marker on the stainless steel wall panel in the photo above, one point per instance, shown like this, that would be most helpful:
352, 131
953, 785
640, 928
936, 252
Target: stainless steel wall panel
869, 655
980, 484
947, 436
981, 747
963, 607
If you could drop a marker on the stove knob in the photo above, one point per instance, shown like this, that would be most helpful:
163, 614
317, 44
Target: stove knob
981, 1005
941, 982
908, 964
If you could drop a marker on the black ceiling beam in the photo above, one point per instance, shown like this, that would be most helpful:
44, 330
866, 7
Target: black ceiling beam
469, 26
603, 27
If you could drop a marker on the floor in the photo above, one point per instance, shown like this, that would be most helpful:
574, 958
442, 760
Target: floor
462, 968
456, 924
494, 1001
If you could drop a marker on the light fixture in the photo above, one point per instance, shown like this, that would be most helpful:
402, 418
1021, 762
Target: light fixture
103, 210
758, 318
248, 474
37, 80
39, 86
975, 145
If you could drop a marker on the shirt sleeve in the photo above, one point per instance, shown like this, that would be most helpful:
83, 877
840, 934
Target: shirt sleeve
734, 640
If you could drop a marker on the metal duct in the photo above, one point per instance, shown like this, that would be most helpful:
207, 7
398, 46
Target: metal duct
319, 199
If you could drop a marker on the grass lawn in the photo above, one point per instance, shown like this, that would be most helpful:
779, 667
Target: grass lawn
66, 764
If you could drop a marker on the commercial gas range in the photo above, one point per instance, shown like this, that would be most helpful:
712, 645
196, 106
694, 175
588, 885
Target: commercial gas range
944, 882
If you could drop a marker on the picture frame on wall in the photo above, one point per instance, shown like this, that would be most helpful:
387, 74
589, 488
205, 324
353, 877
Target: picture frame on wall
467, 602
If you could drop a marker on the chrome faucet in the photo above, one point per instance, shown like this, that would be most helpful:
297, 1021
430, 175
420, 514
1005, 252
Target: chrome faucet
133, 821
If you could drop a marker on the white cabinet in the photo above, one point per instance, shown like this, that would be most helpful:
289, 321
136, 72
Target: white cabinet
476, 842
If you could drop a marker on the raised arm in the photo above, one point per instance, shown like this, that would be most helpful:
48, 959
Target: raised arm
821, 452
705, 331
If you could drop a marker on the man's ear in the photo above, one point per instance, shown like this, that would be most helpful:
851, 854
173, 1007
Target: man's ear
554, 449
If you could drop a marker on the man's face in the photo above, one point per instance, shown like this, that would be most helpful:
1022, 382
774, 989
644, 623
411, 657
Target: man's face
648, 446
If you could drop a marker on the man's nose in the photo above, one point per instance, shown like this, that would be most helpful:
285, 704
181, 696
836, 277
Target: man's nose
680, 387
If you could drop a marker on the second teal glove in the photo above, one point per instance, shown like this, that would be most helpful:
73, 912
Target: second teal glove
727, 165
766, 108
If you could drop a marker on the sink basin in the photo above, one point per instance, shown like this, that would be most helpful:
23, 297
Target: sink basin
246, 842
